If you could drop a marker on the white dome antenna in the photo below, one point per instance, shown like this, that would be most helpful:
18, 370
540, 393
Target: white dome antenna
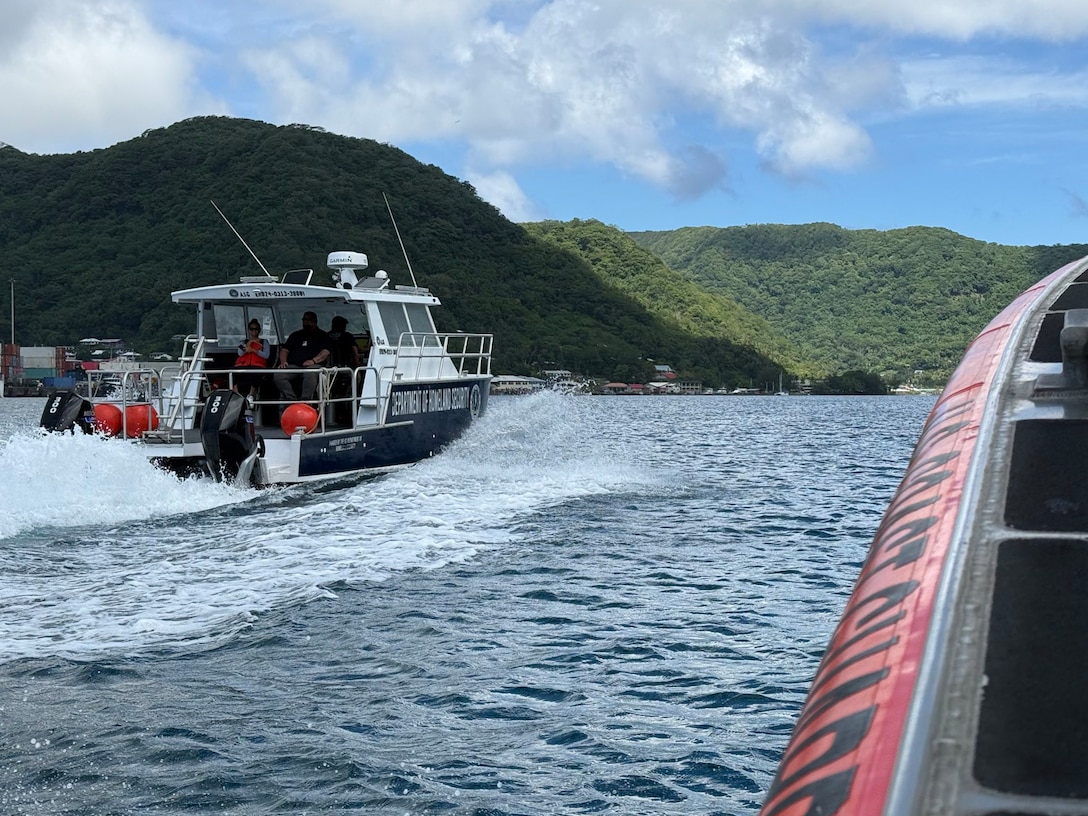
345, 265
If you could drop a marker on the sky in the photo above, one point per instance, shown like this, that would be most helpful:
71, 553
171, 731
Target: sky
647, 115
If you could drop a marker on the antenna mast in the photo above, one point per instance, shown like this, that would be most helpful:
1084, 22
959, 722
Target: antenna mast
243, 240
397, 231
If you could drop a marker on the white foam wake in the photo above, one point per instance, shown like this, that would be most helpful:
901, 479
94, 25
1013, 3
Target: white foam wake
107, 554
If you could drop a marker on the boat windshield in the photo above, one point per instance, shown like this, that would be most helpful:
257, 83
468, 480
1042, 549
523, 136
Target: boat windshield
224, 324
402, 318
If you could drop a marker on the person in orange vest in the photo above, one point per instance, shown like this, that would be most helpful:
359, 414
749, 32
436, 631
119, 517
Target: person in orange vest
253, 352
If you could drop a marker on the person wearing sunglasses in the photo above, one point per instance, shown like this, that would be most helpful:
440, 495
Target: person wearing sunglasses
253, 352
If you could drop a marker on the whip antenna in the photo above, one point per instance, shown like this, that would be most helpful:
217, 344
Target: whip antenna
397, 231
243, 240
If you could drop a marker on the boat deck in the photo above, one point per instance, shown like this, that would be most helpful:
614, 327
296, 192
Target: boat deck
1011, 717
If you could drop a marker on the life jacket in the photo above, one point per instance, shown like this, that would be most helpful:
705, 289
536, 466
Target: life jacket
251, 359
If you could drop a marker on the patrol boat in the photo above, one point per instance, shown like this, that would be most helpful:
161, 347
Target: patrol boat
414, 391
955, 681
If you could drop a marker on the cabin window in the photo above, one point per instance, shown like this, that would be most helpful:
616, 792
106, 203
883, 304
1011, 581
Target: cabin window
230, 325
419, 318
290, 317
395, 322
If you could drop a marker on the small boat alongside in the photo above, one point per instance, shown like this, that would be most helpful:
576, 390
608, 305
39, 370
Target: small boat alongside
412, 392
955, 681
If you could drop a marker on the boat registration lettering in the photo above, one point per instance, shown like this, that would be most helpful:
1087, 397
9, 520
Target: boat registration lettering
266, 293
429, 400
347, 443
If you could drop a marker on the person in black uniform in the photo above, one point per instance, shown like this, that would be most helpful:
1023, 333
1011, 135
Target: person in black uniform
345, 354
309, 348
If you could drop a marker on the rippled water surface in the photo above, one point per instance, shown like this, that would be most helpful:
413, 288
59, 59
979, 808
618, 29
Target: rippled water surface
587, 605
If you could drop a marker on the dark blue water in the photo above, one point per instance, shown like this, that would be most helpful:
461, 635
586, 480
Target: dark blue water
589, 605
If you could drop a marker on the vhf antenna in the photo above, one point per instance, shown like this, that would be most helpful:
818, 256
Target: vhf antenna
397, 231
243, 240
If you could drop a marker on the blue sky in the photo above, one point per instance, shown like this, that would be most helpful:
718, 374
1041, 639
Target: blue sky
969, 115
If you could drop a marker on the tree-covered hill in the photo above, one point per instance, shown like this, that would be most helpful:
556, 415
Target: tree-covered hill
894, 301
96, 241
666, 294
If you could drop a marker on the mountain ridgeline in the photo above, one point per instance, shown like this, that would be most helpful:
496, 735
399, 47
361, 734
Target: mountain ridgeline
903, 303
95, 242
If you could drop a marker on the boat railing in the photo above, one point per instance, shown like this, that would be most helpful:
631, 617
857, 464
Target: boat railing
124, 388
338, 386
186, 380
420, 353
177, 390
130, 386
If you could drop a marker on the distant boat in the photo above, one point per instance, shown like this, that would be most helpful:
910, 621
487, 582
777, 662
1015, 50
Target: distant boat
955, 680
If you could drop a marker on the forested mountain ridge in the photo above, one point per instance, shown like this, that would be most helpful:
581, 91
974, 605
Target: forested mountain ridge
667, 294
892, 302
95, 242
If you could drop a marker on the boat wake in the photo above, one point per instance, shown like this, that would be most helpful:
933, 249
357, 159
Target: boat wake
64, 480
102, 553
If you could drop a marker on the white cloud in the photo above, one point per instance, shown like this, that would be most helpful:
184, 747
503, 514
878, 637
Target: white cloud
611, 81
820, 140
1052, 20
502, 190
88, 73
656, 91
962, 81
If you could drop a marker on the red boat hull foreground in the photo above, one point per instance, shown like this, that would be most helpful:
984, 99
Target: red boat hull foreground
955, 681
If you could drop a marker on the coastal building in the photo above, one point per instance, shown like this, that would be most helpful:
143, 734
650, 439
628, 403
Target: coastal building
511, 384
623, 388
553, 374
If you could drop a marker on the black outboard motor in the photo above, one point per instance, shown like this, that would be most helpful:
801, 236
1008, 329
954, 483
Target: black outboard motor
65, 411
231, 444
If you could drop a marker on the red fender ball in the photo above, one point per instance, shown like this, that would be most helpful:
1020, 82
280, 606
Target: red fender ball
108, 418
296, 416
140, 418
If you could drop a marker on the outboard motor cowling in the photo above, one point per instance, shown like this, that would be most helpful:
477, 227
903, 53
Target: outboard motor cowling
229, 436
65, 411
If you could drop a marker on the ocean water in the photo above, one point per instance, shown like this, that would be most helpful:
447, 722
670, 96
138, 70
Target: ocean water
586, 605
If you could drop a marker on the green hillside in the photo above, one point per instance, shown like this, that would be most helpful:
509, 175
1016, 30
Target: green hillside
666, 294
892, 302
96, 241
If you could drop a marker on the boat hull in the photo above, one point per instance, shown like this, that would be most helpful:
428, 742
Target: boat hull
421, 421
920, 703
